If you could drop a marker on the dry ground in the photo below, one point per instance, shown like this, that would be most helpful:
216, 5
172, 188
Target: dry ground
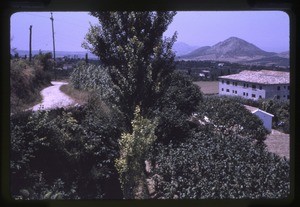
208, 87
278, 143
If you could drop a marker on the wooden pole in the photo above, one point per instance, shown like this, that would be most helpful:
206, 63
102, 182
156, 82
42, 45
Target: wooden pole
53, 36
30, 36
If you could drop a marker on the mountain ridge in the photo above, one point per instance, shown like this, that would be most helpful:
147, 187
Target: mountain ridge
235, 49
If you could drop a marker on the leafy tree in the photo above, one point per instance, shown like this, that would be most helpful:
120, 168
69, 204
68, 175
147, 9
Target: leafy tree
174, 108
133, 149
139, 62
229, 117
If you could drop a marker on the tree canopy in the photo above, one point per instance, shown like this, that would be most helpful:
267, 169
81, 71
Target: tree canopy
139, 60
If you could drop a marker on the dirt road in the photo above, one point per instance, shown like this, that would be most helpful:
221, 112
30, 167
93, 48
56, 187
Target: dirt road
53, 97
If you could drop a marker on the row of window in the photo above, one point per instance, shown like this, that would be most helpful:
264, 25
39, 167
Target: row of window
244, 93
254, 95
246, 85
284, 87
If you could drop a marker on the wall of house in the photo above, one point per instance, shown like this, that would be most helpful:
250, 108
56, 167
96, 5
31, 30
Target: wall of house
243, 89
252, 90
281, 91
266, 119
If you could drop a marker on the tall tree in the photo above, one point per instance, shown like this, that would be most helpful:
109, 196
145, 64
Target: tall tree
139, 60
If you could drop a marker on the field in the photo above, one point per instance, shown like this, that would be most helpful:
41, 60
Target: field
278, 143
208, 87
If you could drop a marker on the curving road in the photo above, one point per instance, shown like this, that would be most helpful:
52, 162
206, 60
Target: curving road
53, 97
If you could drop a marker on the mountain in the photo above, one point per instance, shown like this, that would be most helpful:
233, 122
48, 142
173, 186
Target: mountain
181, 48
238, 50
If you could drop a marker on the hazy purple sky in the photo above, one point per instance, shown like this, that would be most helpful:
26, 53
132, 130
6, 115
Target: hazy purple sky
268, 30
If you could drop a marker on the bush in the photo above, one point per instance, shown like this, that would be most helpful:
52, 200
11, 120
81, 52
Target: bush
75, 148
229, 117
279, 108
174, 108
212, 166
26, 80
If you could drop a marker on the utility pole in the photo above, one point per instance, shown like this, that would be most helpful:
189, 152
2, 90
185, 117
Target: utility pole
53, 36
53, 46
30, 35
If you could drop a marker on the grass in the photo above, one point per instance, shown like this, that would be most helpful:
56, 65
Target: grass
80, 96
208, 87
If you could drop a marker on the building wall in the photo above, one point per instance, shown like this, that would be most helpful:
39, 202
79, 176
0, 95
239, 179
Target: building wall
252, 90
281, 92
266, 119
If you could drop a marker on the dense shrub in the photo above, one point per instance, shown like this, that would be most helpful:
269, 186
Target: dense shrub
65, 154
174, 108
212, 166
133, 148
26, 79
279, 108
230, 117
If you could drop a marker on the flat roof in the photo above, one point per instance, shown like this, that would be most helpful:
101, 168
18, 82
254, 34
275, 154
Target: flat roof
261, 77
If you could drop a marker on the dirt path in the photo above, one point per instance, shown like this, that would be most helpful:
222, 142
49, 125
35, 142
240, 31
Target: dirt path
278, 143
53, 97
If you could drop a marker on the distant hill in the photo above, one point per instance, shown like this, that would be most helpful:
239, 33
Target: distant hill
181, 48
238, 50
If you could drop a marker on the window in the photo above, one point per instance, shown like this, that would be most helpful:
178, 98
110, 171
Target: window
232, 91
227, 90
284, 87
278, 88
227, 82
244, 93
235, 92
260, 96
222, 89
260, 87
253, 95
222, 81
254, 86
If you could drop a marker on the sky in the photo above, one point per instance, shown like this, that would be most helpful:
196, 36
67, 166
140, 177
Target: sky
269, 30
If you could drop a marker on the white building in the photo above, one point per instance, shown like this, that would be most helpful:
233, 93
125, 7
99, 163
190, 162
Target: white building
264, 116
256, 84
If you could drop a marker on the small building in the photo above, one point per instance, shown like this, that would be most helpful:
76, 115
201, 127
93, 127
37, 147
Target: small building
256, 84
264, 116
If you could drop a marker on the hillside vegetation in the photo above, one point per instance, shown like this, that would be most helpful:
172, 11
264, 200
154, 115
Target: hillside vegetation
27, 79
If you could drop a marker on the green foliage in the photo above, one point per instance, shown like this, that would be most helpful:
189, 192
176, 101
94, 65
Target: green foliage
281, 111
212, 166
26, 78
133, 148
279, 108
174, 108
94, 79
230, 117
74, 147
139, 62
